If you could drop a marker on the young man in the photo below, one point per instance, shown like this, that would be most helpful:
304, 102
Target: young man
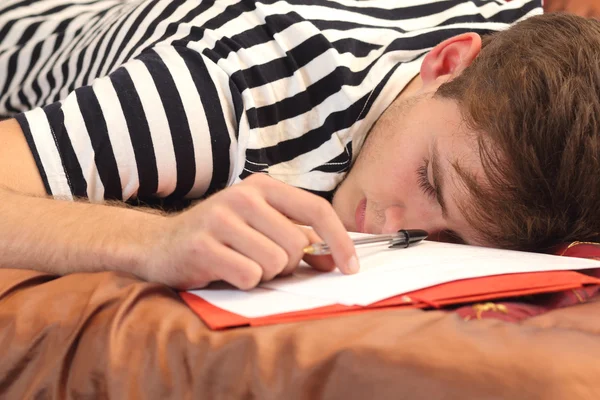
193, 97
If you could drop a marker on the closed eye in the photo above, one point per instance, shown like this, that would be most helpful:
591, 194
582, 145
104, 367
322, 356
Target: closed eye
423, 180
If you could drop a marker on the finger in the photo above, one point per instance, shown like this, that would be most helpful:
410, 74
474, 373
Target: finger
271, 258
317, 213
227, 264
261, 216
314, 211
323, 263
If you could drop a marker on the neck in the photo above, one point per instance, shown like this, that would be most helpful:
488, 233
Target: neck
411, 89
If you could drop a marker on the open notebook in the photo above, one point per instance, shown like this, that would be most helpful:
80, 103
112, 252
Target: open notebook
452, 272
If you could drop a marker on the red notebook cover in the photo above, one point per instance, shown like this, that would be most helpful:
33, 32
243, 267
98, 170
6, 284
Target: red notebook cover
452, 293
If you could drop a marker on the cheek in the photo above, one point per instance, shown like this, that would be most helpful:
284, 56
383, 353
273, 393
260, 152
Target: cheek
396, 185
406, 184
391, 165
403, 174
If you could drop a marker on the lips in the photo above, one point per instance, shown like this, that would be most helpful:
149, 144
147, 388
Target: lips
359, 215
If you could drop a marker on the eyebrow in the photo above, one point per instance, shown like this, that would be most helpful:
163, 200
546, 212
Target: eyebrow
438, 179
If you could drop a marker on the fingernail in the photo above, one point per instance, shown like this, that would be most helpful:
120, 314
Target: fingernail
353, 265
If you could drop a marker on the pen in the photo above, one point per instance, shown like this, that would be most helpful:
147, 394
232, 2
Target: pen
402, 238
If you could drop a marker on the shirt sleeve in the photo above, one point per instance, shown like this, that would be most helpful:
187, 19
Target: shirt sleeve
162, 125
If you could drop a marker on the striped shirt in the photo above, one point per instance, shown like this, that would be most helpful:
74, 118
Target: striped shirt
124, 99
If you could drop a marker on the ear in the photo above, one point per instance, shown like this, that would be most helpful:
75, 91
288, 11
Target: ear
450, 57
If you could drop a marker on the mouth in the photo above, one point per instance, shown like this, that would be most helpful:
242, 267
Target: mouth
359, 215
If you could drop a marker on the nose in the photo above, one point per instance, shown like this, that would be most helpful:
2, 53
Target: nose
394, 219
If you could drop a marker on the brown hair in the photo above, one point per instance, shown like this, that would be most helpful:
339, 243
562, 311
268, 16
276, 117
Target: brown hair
534, 94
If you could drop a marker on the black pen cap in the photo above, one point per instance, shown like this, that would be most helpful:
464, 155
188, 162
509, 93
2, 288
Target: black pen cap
415, 235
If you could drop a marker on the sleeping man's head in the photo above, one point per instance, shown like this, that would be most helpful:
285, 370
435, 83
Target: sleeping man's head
497, 142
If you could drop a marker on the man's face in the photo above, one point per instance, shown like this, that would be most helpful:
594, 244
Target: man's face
403, 177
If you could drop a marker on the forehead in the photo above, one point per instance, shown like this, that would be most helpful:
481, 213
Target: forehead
457, 148
455, 142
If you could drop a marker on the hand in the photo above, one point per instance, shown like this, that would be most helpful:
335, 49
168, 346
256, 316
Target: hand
584, 8
243, 235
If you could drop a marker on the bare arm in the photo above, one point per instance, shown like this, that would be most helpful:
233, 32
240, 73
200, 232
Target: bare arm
60, 236
240, 235
98, 143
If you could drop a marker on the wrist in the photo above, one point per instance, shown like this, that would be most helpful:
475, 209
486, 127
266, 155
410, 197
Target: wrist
138, 249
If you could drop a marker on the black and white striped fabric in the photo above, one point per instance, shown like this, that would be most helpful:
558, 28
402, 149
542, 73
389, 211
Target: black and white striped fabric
123, 99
